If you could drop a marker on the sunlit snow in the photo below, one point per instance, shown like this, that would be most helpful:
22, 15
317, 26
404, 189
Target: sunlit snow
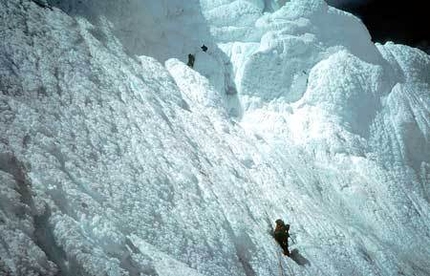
116, 158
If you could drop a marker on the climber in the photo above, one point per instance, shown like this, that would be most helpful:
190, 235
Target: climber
191, 59
281, 235
204, 48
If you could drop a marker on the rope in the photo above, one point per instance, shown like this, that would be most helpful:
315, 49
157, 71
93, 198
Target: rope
281, 270
280, 258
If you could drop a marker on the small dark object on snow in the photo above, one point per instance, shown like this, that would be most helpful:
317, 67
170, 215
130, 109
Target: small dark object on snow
204, 48
191, 59
281, 235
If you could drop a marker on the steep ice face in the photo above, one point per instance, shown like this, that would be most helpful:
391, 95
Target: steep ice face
118, 159
295, 38
161, 29
406, 117
233, 20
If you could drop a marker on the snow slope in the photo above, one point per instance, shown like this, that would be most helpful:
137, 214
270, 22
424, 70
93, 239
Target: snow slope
116, 158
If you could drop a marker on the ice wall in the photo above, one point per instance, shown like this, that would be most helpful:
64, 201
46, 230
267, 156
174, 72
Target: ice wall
160, 29
118, 159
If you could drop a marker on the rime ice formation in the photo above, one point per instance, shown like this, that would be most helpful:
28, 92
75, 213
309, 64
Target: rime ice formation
118, 159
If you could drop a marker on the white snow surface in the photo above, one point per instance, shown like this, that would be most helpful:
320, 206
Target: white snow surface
116, 158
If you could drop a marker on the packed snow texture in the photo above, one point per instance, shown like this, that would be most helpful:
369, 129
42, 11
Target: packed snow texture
116, 158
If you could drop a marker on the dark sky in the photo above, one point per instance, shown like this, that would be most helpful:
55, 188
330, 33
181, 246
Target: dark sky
405, 22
